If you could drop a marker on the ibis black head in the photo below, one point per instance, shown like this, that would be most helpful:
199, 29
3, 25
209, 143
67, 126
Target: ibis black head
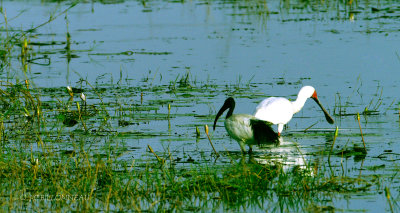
228, 104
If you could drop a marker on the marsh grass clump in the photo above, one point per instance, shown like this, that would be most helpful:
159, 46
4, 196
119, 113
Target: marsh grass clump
23, 107
82, 182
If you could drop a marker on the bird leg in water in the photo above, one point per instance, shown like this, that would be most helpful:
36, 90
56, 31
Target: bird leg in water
242, 146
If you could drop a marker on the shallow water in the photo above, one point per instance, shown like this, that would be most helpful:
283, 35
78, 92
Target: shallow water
349, 53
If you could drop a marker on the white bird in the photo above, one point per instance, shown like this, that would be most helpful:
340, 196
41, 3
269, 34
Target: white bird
244, 128
278, 110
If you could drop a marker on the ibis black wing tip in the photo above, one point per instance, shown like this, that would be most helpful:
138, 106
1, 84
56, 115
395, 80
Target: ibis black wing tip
263, 132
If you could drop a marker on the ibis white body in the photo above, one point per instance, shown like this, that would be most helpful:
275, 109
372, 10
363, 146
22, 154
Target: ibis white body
280, 111
239, 128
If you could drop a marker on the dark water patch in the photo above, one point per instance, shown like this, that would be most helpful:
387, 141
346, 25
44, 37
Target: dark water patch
141, 135
127, 53
51, 43
357, 152
389, 157
151, 53
89, 29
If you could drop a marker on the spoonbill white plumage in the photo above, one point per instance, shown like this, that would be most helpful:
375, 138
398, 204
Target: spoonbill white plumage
278, 110
244, 128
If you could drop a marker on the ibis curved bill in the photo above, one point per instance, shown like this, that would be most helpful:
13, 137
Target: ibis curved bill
244, 128
280, 111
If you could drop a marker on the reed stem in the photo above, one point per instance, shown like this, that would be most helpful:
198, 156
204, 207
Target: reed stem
362, 137
333, 143
209, 139
158, 158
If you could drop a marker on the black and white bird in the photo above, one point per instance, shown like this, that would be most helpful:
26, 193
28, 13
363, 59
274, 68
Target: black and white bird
246, 129
280, 111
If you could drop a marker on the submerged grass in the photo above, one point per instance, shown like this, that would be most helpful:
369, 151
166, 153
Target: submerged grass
81, 182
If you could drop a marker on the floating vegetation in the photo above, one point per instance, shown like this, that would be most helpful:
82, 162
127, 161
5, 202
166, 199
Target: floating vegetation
355, 151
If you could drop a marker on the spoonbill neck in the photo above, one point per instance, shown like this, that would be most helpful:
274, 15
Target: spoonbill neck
299, 103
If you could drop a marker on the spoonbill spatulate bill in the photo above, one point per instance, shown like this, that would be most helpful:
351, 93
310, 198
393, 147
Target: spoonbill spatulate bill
280, 111
246, 129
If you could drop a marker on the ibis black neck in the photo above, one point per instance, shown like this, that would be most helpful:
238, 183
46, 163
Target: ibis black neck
228, 104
